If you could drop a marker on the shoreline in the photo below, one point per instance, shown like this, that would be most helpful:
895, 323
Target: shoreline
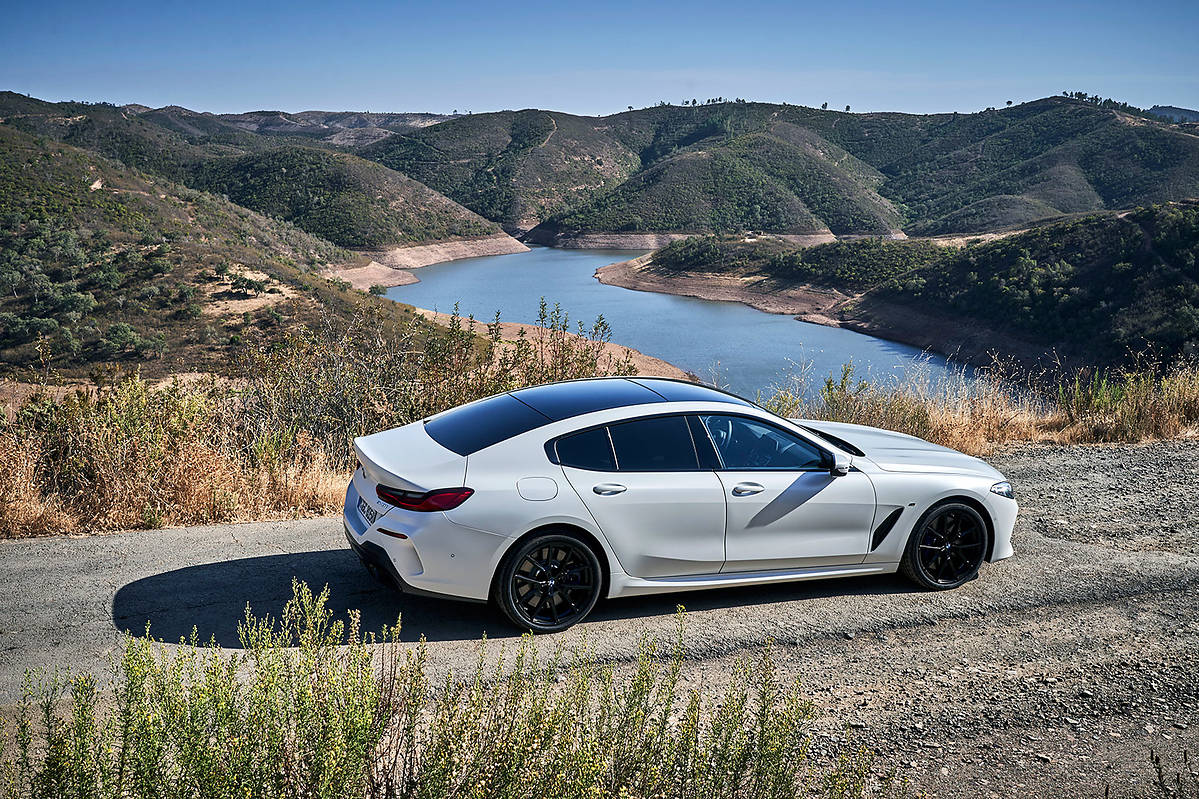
962, 341
647, 365
391, 266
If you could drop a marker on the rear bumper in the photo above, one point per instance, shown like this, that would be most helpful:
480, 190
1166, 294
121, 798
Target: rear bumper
423, 553
378, 562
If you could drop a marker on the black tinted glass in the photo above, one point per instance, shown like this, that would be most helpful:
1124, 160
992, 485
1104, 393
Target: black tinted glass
676, 391
472, 427
654, 445
587, 450
748, 444
563, 400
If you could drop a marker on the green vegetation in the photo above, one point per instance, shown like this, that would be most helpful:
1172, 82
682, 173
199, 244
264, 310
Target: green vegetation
517, 168
790, 169
310, 707
100, 264
341, 198
1105, 288
847, 265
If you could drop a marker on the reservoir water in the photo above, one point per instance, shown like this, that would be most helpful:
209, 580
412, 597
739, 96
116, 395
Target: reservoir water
726, 343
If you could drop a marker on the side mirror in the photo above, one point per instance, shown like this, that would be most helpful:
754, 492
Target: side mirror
841, 465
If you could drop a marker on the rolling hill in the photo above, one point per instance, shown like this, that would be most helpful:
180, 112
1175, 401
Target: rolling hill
349, 201
517, 168
1100, 288
792, 169
101, 263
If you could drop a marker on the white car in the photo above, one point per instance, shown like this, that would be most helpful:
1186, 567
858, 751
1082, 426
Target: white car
546, 499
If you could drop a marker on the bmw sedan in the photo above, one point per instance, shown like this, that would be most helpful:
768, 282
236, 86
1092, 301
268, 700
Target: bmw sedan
547, 499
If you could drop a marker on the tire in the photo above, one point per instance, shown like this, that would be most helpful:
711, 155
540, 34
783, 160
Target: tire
549, 583
946, 548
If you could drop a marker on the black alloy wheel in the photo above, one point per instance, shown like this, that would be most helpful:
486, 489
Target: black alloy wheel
549, 583
947, 547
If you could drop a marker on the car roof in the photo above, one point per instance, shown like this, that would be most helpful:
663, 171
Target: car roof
477, 425
558, 401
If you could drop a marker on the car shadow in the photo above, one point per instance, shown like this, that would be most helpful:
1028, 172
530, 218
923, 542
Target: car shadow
211, 599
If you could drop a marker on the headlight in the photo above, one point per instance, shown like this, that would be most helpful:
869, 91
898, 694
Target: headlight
1003, 489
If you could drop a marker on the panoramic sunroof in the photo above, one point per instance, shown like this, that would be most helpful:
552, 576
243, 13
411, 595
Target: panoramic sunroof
563, 400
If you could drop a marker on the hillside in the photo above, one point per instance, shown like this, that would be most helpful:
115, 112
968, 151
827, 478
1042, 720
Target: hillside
792, 169
1100, 289
341, 128
100, 263
344, 199
517, 168
1175, 113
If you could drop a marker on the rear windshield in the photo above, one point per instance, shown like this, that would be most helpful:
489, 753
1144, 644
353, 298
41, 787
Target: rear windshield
473, 427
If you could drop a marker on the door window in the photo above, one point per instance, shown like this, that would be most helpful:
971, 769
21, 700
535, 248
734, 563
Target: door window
660, 444
749, 444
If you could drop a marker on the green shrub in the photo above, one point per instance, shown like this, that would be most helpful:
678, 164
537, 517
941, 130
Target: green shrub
311, 707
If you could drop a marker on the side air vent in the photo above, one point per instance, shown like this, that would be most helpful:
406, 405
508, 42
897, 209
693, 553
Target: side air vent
881, 531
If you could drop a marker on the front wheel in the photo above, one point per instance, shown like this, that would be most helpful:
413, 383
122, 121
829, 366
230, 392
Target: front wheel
947, 547
549, 583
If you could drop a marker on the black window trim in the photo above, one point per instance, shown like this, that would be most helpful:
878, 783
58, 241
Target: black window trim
551, 446
828, 457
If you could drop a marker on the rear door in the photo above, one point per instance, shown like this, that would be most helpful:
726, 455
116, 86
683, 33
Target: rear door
785, 509
662, 514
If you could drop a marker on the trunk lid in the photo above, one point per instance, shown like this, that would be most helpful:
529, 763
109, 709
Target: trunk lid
408, 459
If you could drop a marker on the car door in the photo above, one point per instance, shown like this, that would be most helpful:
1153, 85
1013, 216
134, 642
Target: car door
784, 507
641, 480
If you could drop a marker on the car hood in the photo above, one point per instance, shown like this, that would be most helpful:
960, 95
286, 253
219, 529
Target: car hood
899, 452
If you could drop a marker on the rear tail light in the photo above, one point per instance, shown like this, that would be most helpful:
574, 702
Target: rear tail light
440, 499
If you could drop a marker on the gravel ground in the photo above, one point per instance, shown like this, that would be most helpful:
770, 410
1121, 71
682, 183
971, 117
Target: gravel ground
1055, 673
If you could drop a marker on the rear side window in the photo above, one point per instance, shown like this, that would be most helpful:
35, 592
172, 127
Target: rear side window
662, 444
590, 449
473, 427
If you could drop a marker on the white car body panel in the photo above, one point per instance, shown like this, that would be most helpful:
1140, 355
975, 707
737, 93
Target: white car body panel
663, 524
798, 520
667, 531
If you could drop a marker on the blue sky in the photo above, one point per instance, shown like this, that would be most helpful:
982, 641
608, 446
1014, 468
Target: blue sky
596, 58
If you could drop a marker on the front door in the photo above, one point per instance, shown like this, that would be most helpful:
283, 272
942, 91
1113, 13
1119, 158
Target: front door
662, 515
784, 508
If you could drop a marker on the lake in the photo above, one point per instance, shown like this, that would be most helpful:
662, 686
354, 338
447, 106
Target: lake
726, 343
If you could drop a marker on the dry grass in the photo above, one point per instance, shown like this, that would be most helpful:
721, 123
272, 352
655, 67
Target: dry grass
995, 407
277, 442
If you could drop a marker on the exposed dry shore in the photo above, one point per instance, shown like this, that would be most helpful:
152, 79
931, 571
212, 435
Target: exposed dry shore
390, 267
964, 341
509, 331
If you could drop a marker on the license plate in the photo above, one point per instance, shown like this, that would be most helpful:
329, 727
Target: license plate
368, 513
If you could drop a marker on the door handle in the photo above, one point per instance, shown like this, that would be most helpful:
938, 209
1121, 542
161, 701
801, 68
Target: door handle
747, 489
608, 489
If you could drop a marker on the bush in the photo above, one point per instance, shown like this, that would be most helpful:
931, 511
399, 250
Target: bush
304, 711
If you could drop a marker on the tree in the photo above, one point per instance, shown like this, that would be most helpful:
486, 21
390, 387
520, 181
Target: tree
630, 108
824, 106
847, 109
1009, 102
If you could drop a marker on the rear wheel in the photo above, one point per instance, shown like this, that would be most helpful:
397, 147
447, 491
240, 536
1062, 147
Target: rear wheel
549, 583
947, 547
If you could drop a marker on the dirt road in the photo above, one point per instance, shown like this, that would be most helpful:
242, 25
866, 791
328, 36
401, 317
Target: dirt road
1054, 673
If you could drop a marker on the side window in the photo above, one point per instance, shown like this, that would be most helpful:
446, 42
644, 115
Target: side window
749, 444
590, 449
662, 444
